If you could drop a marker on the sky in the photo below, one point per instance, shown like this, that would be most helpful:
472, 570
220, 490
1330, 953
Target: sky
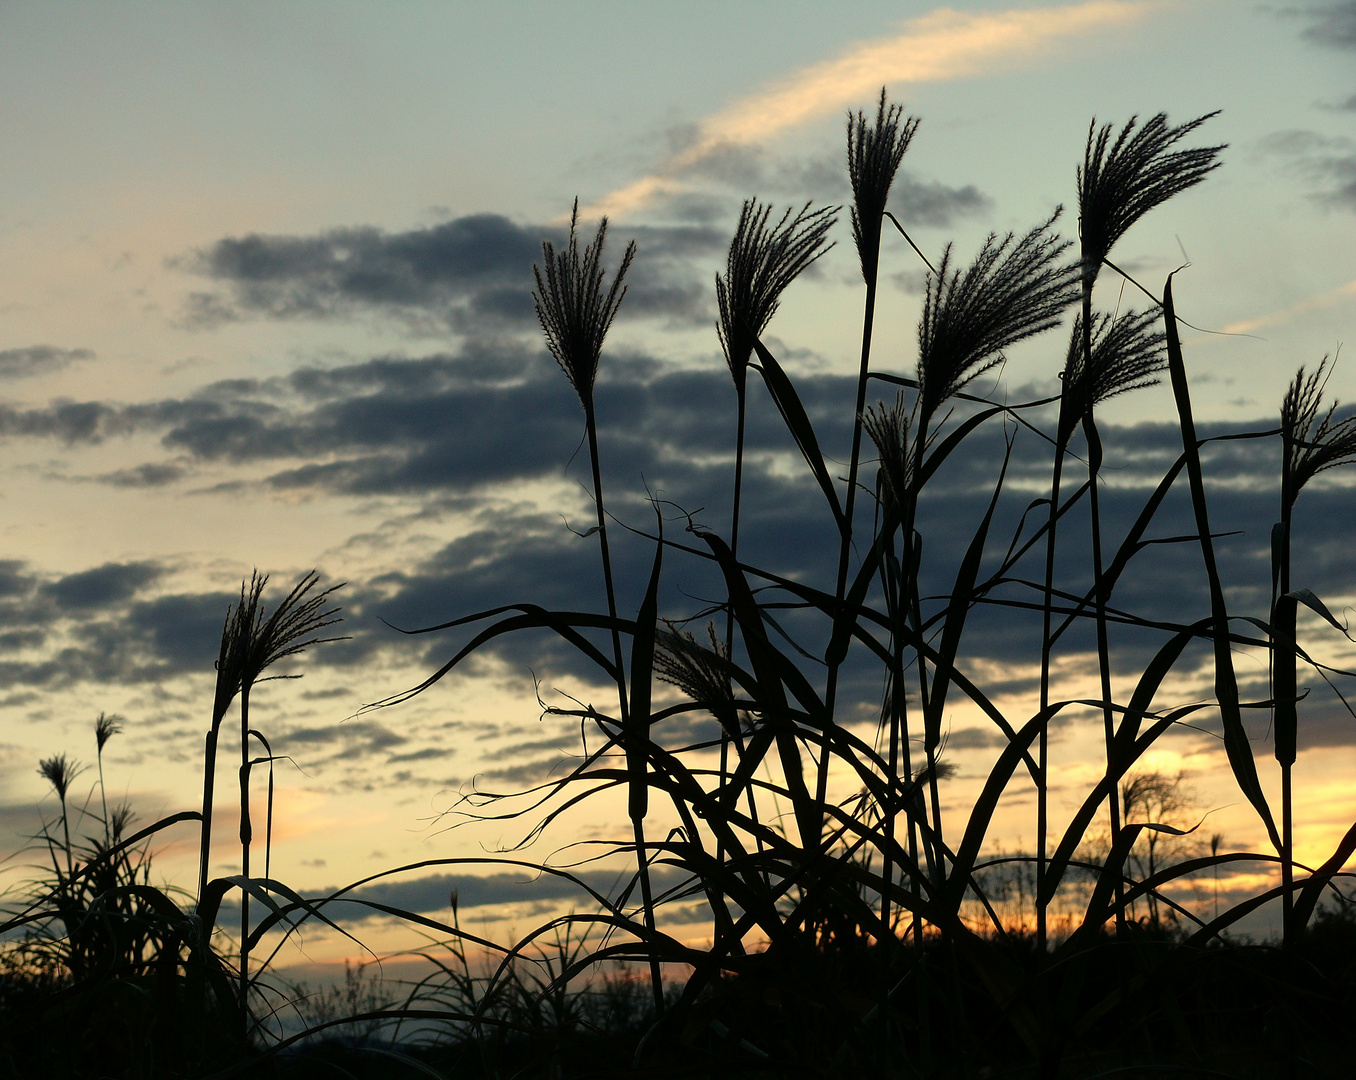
265, 302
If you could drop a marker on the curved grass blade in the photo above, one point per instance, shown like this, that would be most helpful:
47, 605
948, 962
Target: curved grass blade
958, 607
642, 668
1321, 878
533, 618
1236, 743
987, 803
798, 423
768, 667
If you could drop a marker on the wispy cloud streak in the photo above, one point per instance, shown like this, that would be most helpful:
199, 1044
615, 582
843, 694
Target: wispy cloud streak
941, 45
1343, 293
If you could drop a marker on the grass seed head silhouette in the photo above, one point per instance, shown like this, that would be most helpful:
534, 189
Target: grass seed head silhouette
293, 627
702, 673
1319, 444
888, 426
1121, 181
250, 643
105, 728
573, 310
235, 635
1011, 291
874, 152
60, 772
1127, 352
761, 263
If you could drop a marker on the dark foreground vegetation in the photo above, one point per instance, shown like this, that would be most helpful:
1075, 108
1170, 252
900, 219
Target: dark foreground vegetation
850, 925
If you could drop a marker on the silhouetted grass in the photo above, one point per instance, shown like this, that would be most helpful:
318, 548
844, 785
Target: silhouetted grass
855, 926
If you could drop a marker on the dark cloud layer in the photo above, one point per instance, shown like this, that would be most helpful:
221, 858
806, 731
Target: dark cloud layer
931, 203
469, 273
463, 426
474, 273
38, 360
104, 625
1328, 162
434, 893
1333, 25
476, 261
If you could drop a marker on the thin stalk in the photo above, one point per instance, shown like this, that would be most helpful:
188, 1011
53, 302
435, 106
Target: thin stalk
726, 736
914, 610
900, 761
1103, 644
895, 687
741, 400
208, 788
592, 428
103, 795
66, 830
1284, 683
845, 545
245, 837
642, 862
1042, 759
1103, 648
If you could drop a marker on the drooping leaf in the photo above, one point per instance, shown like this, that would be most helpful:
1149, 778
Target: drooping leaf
1236, 742
798, 423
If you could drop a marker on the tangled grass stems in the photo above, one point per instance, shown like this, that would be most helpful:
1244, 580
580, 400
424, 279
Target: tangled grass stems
762, 262
867, 925
874, 154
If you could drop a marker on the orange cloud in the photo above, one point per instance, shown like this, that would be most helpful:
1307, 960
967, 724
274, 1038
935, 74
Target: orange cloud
944, 44
1294, 311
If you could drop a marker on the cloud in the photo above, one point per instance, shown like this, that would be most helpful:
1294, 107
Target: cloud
463, 427
940, 46
351, 740
433, 893
1329, 298
144, 476
920, 202
1329, 162
928, 202
38, 360
113, 624
70, 421
1333, 25
100, 587
472, 273
472, 260
974, 738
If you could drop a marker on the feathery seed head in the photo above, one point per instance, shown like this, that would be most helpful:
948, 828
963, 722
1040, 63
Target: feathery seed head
762, 262
1127, 351
1314, 444
702, 674
888, 426
59, 772
874, 152
234, 647
1010, 292
572, 308
291, 629
105, 728
1121, 181
251, 643
119, 818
